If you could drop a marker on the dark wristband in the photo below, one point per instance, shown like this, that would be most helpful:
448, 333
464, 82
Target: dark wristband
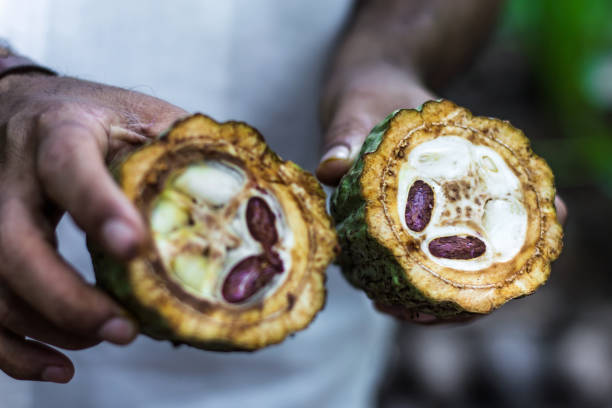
13, 64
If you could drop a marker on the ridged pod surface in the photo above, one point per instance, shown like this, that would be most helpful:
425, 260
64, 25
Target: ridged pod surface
239, 239
446, 213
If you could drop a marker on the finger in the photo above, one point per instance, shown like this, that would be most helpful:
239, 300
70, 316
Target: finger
561, 210
356, 113
34, 271
29, 360
144, 119
18, 317
71, 168
344, 137
150, 116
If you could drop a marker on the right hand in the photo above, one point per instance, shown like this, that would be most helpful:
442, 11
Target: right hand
351, 106
55, 136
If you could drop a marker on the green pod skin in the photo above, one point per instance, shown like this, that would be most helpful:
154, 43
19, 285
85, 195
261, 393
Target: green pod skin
389, 263
365, 263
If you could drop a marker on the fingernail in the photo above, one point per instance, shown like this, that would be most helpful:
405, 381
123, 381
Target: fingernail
119, 237
334, 163
56, 374
118, 330
338, 152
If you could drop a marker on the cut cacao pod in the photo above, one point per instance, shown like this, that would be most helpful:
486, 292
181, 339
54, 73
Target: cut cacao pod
446, 213
239, 239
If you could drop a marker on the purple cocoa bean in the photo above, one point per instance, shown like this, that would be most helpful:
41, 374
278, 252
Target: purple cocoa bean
419, 206
248, 277
456, 247
274, 259
260, 221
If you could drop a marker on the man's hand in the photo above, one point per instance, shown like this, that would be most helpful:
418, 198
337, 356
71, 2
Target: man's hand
351, 108
55, 136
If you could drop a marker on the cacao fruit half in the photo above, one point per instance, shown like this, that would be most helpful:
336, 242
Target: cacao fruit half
446, 213
239, 239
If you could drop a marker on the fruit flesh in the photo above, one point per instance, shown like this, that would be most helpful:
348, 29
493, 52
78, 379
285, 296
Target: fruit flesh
476, 195
200, 225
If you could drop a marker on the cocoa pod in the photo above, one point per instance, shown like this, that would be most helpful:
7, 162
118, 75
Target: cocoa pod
456, 247
248, 277
419, 206
260, 221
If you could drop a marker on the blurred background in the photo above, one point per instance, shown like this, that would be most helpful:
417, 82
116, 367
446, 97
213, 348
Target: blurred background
548, 70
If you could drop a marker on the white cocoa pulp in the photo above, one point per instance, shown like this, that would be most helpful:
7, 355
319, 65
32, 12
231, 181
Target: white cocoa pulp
475, 194
199, 227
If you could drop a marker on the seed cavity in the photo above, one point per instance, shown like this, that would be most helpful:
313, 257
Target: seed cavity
168, 216
253, 273
477, 195
213, 182
216, 236
195, 272
457, 247
419, 206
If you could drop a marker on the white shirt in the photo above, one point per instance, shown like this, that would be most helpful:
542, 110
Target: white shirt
256, 61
